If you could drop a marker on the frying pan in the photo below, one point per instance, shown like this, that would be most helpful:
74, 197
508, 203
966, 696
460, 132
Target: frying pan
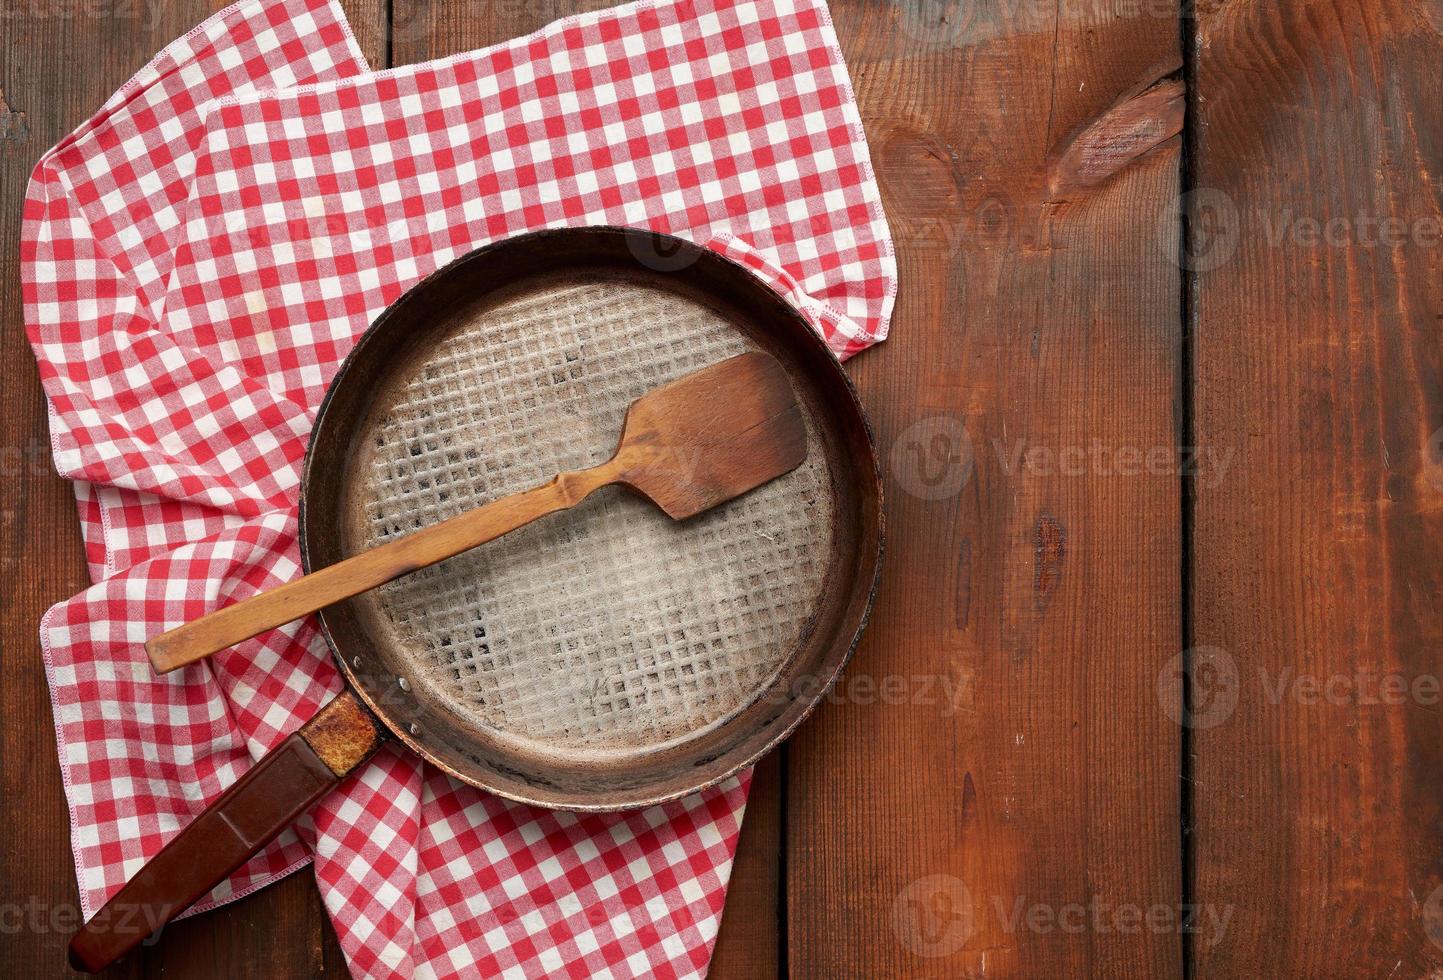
601, 659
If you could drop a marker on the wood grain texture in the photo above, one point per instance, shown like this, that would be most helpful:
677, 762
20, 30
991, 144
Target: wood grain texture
1031, 597
1000, 728
1318, 561
60, 61
749, 945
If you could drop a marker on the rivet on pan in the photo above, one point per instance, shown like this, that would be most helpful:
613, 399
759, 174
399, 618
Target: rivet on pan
355, 661
415, 728
404, 684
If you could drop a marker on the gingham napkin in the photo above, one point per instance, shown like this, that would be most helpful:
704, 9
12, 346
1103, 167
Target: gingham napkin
200, 256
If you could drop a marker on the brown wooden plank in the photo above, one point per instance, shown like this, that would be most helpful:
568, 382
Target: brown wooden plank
998, 747
60, 62
425, 29
749, 945
1319, 556
41, 562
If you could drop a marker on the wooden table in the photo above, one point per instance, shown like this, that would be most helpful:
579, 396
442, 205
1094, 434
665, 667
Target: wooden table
1151, 688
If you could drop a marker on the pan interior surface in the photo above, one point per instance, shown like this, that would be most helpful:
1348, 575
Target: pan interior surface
599, 633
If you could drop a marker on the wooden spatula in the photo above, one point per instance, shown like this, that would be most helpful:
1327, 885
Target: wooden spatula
687, 446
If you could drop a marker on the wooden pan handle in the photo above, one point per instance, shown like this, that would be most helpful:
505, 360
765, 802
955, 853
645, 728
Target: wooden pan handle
352, 576
241, 821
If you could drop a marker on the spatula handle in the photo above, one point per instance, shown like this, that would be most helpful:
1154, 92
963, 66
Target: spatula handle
352, 576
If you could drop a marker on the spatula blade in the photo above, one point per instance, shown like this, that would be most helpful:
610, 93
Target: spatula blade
713, 435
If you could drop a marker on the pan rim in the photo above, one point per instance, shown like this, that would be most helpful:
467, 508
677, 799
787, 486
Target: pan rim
849, 623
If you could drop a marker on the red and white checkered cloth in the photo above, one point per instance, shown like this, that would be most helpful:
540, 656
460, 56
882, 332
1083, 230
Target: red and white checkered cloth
200, 256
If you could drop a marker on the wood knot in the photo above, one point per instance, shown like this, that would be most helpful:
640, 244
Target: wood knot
1139, 121
922, 183
13, 125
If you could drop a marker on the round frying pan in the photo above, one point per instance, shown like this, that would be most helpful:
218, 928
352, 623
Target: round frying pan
603, 658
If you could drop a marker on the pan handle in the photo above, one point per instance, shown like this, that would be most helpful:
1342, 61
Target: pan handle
247, 816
